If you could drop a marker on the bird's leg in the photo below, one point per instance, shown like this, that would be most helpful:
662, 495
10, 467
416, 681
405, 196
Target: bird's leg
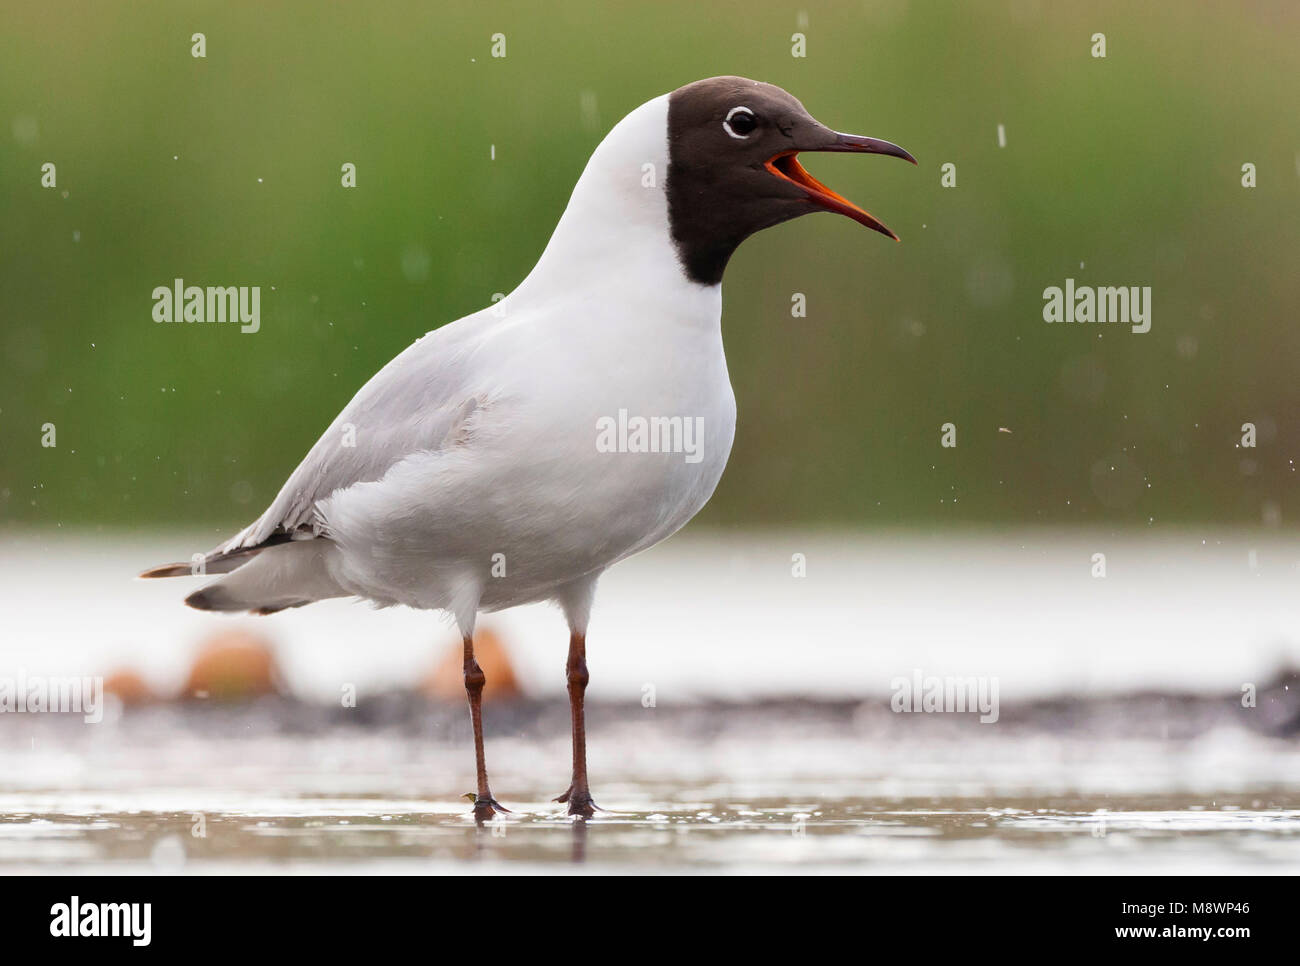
485, 806
578, 795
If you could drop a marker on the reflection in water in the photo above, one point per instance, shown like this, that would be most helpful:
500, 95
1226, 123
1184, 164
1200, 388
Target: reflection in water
579, 840
487, 840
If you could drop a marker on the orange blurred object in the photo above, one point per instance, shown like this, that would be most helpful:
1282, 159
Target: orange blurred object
233, 666
128, 687
447, 680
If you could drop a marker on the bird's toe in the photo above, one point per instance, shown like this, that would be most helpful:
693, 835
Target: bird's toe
486, 808
580, 803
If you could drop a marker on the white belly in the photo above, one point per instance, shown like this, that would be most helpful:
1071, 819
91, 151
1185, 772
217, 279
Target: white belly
628, 462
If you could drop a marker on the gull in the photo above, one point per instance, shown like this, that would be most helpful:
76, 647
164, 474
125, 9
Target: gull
477, 470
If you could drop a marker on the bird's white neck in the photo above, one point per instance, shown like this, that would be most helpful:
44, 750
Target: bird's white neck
614, 235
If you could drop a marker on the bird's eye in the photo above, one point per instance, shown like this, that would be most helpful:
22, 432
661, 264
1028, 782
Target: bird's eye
740, 122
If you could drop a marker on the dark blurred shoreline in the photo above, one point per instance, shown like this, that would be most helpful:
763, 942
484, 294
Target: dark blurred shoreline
1137, 715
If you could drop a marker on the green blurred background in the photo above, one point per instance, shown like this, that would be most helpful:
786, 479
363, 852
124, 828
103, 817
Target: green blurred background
226, 171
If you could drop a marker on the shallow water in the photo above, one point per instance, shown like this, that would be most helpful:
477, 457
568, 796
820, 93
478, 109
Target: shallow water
926, 836
1140, 785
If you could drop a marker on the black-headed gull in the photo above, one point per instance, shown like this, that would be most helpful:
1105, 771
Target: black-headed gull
515, 454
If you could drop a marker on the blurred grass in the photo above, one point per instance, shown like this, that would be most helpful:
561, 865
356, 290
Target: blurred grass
1117, 171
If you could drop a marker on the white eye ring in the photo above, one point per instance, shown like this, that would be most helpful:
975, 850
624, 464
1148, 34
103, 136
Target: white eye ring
726, 125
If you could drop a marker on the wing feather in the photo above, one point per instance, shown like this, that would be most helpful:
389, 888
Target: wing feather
422, 401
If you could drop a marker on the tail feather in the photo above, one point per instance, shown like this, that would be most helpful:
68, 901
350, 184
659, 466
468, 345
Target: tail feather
217, 598
279, 577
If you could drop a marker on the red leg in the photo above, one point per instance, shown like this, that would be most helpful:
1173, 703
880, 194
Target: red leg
485, 806
578, 795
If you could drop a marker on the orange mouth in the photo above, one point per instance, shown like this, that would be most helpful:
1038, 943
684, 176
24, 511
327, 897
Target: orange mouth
786, 165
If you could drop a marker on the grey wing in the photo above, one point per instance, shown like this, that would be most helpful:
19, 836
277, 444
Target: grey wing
419, 402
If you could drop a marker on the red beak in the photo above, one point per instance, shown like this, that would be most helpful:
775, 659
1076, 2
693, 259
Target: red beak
785, 165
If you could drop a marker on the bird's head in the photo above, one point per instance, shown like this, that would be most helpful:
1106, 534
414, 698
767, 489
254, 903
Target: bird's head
733, 168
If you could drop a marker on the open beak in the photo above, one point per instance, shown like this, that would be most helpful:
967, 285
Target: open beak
786, 165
